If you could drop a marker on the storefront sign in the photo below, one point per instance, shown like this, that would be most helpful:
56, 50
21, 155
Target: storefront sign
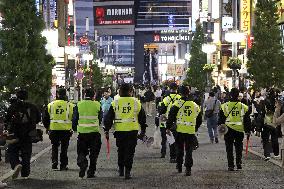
175, 70
114, 15
280, 6
245, 16
227, 22
84, 40
172, 38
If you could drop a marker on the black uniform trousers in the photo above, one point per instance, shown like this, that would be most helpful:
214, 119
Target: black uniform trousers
164, 140
126, 143
60, 138
265, 134
234, 138
184, 142
88, 144
24, 150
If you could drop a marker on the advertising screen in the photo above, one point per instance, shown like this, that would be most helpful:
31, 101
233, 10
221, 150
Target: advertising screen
114, 15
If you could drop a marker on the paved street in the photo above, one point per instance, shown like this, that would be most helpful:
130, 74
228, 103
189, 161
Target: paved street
149, 171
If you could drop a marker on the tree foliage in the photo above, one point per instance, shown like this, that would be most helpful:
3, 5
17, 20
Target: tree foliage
196, 77
23, 58
265, 58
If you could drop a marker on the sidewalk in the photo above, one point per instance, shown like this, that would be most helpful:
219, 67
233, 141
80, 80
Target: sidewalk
256, 148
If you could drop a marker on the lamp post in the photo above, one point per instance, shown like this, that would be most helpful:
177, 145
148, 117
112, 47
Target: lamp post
234, 37
208, 48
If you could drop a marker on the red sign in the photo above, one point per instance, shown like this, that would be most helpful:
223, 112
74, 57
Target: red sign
250, 41
84, 41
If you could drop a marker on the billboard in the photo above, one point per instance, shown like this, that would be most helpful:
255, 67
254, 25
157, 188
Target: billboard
114, 15
245, 16
280, 6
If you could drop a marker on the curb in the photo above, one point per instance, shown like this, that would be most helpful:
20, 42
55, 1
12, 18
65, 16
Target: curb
34, 158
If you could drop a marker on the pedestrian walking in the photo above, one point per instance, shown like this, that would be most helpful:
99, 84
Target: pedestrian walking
106, 103
149, 98
158, 96
21, 120
161, 123
186, 114
278, 119
126, 113
269, 132
58, 122
86, 120
166, 105
212, 106
237, 119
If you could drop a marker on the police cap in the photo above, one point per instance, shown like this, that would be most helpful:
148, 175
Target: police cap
234, 93
173, 86
183, 90
89, 93
22, 94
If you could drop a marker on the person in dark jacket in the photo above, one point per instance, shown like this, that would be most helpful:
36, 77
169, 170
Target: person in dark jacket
21, 119
237, 119
149, 99
126, 113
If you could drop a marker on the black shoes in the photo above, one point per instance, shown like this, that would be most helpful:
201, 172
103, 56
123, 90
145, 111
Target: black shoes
188, 172
216, 140
63, 168
54, 167
82, 173
179, 169
127, 174
231, 169
121, 171
239, 167
91, 176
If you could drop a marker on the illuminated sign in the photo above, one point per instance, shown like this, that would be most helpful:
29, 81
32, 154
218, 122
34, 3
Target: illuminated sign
245, 16
227, 22
280, 6
114, 15
172, 38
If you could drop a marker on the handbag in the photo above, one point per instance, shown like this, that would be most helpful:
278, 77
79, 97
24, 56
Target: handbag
210, 113
36, 135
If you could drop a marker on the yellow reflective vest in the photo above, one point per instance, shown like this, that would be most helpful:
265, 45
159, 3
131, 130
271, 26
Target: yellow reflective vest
88, 116
237, 111
60, 113
126, 113
186, 116
169, 101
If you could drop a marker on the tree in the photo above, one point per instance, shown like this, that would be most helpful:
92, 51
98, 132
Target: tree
195, 75
265, 58
23, 58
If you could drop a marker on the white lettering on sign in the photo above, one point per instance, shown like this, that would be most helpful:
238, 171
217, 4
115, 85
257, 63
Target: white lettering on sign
174, 38
119, 12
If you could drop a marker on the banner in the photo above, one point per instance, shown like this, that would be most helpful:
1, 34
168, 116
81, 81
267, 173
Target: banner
245, 16
175, 70
114, 15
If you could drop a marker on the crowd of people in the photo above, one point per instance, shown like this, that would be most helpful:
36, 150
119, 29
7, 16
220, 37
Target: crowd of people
179, 115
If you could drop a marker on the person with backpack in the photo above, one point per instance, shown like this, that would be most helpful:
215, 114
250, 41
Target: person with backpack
20, 121
149, 98
186, 114
166, 105
212, 106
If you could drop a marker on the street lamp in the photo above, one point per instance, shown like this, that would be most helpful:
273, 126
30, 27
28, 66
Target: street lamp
208, 48
234, 37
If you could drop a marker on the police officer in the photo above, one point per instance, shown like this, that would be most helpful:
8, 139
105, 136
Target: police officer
58, 122
87, 118
236, 117
186, 114
166, 105
127, 114
21, 119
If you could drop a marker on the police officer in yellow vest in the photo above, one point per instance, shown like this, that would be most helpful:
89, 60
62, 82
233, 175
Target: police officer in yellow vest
58, 121
126, 113
86, 121
166, 105
186, 114
236, 117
